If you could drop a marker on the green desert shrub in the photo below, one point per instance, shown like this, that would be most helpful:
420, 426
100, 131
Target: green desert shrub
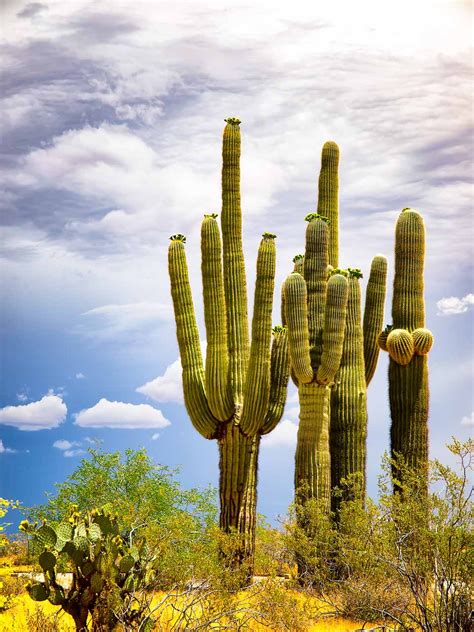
406, 559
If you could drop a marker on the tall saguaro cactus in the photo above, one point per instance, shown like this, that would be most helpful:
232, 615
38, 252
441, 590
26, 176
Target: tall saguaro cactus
348, 428
240, 393
408, 343
315, 309
343, 352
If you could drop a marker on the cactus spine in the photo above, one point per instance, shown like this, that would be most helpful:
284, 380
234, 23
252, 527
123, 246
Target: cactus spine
408, 343
240, 393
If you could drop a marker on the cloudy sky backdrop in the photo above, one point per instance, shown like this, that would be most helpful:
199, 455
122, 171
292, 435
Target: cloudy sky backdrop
112, 117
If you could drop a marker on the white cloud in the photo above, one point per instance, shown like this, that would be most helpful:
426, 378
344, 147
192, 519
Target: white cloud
80, 376
468, 421
106, 414
49, 412
110, 321
71, 453
167, 387
69, 448
22, 397
155, 436
64, 444
4, 450
454, 305
284, 435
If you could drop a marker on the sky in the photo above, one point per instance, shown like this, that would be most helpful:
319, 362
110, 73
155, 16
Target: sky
111, 141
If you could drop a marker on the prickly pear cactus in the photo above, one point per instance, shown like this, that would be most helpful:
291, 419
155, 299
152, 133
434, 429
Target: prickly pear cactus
104, 565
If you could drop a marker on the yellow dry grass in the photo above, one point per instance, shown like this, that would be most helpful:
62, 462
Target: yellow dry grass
24, 610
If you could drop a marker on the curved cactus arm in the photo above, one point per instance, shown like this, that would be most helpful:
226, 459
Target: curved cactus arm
188, 342
334, 326
235, 284
217, 356
408, 307
315, 274
280, 373
328, 196
298, 331
373, 314
257, 385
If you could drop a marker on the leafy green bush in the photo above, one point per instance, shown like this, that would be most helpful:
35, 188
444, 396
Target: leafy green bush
176, 523
408, 559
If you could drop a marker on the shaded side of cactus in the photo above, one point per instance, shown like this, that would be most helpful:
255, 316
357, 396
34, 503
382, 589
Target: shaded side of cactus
239, 394
408, 344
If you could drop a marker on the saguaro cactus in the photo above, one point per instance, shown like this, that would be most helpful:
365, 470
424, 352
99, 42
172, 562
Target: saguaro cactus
240, 393
315, 309
408, 343
332, 433
348, 428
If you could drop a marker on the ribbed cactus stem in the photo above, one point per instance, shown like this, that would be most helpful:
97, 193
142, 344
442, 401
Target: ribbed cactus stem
334, 326
312, 460
315, 275
298, 333
188, 342
217, 356
328, 196
408, 371
235, 283
348, 428
408, 307
373, 314
257, 385
280, 370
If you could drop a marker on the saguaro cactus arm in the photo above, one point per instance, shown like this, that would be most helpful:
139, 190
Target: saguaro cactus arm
235, 284
257, 385
298, 331
334, 325
373, 314
188, 341
315, 274
328, 196
280, 371
217, 356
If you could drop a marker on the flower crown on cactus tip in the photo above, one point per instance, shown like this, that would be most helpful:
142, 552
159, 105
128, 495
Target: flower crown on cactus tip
178, 237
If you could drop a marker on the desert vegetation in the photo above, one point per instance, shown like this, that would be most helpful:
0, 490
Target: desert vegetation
404, 561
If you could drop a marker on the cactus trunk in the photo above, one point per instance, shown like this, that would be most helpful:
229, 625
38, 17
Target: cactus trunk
312, 461
238, 458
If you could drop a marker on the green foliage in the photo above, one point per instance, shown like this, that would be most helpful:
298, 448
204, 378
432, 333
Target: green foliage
5, 505
139, 491
407, 559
